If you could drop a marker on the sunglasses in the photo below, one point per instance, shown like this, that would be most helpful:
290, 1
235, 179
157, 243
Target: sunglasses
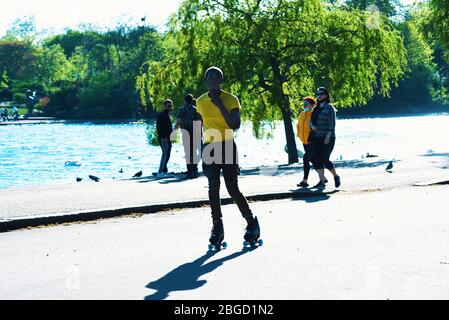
320, 94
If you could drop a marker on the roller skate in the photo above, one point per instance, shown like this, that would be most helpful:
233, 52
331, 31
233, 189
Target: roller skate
252, 235
217, 237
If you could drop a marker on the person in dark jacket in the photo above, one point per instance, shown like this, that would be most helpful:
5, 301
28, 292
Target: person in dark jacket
164, 129
322, 123
4, 114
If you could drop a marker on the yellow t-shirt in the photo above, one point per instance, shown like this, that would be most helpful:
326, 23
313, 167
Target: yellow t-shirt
215, 127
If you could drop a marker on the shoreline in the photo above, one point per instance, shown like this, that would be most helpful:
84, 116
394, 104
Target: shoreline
69, 121
392, 115
340, 115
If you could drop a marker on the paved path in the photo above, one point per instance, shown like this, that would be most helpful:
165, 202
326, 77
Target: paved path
34, 201
371, 245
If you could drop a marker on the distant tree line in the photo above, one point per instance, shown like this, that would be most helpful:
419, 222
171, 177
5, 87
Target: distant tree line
86, 73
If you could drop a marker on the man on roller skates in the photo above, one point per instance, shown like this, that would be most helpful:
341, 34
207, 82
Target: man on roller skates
220, 112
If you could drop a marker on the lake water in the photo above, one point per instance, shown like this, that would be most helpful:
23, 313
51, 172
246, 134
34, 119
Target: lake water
36, 154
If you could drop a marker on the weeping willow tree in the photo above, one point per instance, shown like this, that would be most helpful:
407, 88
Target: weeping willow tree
439, 19
274, 52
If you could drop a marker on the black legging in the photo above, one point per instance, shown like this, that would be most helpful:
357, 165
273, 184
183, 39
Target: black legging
230, 175
307, 159
322, 153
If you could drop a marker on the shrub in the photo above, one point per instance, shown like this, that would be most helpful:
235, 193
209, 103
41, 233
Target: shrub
19, 98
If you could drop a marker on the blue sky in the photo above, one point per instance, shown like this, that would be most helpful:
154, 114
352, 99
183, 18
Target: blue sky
56, 15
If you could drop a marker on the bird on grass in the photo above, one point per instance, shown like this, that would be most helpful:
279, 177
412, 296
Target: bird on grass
94, 178
389, 167
138, 174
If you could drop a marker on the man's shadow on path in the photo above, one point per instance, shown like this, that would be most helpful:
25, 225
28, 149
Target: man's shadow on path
185, 277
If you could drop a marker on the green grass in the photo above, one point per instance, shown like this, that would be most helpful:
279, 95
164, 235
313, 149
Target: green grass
23, 111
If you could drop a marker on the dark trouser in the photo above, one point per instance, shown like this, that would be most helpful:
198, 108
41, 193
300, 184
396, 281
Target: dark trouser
322, 153
230, 173
191, 151
166, 151
307, 159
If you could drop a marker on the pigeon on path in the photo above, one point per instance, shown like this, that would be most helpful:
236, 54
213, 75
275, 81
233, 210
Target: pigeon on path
94, 178
138, 174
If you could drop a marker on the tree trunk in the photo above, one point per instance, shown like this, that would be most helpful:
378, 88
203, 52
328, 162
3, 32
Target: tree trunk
284, 102
289, 132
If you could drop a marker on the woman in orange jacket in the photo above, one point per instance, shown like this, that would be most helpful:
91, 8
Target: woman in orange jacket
303, 131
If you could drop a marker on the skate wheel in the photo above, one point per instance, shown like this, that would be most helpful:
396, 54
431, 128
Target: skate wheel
213, 248
224, 245
249, 245
260, 242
